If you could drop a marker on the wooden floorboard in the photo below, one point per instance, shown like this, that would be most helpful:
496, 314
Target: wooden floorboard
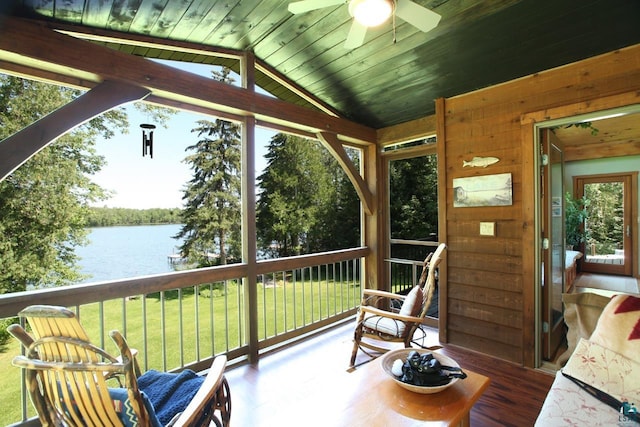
515, 395
276, 390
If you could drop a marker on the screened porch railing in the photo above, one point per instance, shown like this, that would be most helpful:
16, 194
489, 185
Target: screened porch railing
184, 319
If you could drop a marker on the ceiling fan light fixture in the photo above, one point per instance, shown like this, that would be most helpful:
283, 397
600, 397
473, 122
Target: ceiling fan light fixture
371, 13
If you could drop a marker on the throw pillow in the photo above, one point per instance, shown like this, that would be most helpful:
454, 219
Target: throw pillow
412, 305
618, 328
606, 370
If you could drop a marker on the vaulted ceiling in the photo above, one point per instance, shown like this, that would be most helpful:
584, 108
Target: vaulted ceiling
397, 73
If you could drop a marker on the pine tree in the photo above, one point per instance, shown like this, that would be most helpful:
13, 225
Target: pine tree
605, 211
211, 216
414, 198
338, 225
299, 207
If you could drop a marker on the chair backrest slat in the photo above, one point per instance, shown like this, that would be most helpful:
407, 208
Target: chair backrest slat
67, 376
47, 322
428, 277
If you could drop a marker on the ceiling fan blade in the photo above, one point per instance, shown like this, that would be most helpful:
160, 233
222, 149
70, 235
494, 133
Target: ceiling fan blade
356, 35
416, 15
307, 5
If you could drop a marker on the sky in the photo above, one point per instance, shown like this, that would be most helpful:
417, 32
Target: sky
142, 182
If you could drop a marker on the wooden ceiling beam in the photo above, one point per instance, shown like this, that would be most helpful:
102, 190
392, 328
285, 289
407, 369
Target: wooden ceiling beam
337, 150
139, 40
37, 46
22, 145
77, 83
408, 131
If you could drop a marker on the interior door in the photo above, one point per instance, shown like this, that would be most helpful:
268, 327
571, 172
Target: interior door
553, 247
609, 248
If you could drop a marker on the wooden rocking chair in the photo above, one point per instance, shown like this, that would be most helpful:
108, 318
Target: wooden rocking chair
389, 317
74, 383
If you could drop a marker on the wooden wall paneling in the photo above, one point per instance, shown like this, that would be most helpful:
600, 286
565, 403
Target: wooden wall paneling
593, 78
478, 293
501, 316
504, 229
499, 213
488, 262
500, 335
488, 245
492, 137
490, 121
485, 345
484, 305
489, 279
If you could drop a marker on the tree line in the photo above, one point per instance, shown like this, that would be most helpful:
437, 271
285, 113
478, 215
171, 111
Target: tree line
45, 203
305, 201
108, 217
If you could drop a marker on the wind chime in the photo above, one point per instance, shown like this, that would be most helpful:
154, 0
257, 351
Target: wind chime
147, 139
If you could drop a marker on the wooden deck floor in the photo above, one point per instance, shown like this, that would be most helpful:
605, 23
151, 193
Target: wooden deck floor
284, 383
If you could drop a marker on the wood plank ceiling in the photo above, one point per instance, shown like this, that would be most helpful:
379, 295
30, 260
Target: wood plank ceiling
381, 83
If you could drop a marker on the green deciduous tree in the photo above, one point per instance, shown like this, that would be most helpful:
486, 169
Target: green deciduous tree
306, 204
414, 197
44, 202
605, 216
211, 216
338, 223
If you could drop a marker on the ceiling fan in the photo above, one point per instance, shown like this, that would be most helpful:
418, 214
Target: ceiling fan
371, 13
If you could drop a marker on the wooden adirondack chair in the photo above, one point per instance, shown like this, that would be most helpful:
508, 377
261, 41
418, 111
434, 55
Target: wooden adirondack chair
74, 383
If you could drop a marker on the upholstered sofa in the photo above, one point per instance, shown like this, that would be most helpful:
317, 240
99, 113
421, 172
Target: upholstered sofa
607, 364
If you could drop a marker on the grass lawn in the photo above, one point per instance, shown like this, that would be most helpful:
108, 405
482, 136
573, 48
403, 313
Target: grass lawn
283, 305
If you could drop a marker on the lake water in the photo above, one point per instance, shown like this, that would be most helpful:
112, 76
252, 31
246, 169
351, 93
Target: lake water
131, 251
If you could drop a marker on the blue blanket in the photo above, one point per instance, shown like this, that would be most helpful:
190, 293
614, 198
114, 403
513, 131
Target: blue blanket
169, 393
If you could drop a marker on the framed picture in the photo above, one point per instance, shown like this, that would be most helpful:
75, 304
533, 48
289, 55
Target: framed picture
486, 190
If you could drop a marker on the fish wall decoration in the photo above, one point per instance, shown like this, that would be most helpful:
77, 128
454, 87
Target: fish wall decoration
480, 162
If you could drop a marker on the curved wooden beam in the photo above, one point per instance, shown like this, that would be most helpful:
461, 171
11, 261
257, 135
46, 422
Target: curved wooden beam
22, 145
335, 147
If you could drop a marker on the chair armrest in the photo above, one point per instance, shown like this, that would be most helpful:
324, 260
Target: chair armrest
134, 359
376, 298
389, 314
205, 395
20, 334
126, 353
383, 294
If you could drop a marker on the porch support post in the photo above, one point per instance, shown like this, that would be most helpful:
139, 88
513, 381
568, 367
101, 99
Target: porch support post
372, 227
247, 71
443, 233
24, 144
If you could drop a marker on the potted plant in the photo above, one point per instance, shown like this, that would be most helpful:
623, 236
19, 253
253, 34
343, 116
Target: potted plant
575, 214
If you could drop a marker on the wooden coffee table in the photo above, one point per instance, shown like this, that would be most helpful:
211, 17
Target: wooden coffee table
374, 399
